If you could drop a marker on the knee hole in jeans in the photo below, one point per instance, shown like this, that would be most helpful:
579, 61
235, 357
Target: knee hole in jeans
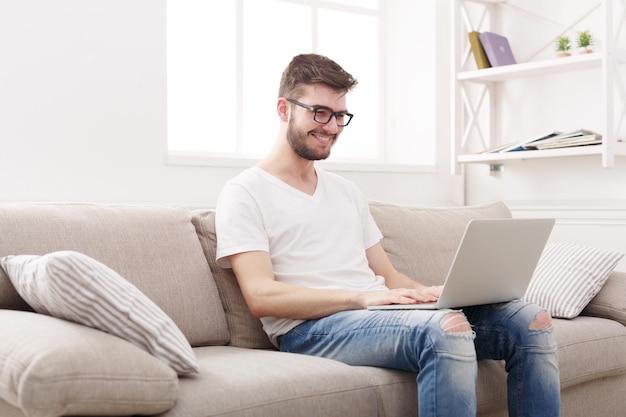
455, 323
543, 321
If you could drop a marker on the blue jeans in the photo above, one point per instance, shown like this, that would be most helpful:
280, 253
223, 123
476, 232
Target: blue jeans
414, 340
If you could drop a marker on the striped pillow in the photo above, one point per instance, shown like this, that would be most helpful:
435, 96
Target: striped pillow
568, 276
75, 287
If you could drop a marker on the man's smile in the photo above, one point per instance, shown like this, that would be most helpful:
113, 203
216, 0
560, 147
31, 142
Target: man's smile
322, 136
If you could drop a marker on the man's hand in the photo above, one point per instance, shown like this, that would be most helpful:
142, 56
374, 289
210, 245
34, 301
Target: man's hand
402, 296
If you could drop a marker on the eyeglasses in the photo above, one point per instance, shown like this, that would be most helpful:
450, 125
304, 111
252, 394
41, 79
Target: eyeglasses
323, 114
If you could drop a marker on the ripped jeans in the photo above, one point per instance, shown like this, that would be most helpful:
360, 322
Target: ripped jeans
443, 350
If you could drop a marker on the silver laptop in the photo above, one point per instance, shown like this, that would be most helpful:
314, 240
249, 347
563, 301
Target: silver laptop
493, 263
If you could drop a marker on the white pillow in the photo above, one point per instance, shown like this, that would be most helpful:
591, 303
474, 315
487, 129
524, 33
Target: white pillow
75, 287
568, 276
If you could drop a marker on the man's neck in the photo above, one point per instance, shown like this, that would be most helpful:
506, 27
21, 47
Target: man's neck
293, 170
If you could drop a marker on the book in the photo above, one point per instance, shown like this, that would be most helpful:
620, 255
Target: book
497, 49
552, 140
478, 51
520, 145
580, 137
582, 141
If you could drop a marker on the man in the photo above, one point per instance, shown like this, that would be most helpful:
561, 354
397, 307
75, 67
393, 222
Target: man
308, 258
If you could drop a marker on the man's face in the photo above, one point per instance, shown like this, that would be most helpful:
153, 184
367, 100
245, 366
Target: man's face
309, 139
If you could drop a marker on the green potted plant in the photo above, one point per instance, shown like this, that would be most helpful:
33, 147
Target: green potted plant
563, 46
584, 41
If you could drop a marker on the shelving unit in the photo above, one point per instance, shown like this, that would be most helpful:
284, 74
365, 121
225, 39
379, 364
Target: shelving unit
466, 118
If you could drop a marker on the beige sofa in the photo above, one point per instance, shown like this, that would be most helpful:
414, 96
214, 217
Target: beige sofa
52, 367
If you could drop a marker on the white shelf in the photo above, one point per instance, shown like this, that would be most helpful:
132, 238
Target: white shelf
475, 104
499, 157
532, 69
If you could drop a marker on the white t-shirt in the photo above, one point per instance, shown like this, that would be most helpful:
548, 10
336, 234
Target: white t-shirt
316, 241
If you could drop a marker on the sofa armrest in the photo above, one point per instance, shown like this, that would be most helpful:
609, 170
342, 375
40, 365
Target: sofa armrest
51, 367
610, 303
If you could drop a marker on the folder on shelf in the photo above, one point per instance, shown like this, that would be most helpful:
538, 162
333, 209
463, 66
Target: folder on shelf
497, 49
478, 51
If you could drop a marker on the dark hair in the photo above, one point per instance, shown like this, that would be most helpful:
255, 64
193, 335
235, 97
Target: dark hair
309, 69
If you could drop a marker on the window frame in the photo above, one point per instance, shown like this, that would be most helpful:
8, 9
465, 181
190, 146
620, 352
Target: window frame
232, 160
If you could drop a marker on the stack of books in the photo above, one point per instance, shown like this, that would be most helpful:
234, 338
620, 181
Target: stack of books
553, 140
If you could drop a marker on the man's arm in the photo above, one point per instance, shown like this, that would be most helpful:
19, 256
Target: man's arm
381, 265
267, 297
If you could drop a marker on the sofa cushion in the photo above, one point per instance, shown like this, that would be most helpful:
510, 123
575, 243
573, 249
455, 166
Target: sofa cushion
154, 248
589, 348
9, 298
568, 276
421, 241
609, 303
8, 410
264, 383
402, 228
52, 367
245, 329
73, 286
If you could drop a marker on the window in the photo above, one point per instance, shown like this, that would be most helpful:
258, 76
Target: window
224, 60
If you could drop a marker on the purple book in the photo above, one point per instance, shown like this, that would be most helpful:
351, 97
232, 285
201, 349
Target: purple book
497, 49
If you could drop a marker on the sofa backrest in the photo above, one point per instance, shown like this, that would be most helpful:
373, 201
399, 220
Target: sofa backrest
159, 251
154, 248
421, 241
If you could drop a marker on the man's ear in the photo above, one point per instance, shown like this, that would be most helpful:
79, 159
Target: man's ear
282, 108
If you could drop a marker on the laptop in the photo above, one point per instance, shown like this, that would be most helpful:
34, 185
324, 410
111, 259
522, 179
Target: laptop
493, 263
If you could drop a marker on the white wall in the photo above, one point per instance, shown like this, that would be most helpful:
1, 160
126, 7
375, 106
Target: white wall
589, 201
83, 112
82, 118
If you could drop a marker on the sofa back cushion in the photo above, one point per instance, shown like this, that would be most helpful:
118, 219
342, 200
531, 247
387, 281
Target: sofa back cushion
154, 248
422, 241
245, 329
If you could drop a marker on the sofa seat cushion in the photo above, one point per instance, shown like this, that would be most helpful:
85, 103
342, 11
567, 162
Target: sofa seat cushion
154, 248
254, 382
589, 348
75, 287
52, 367
396, 391
421, 241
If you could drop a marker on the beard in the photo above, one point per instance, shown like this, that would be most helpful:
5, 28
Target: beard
298, 141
